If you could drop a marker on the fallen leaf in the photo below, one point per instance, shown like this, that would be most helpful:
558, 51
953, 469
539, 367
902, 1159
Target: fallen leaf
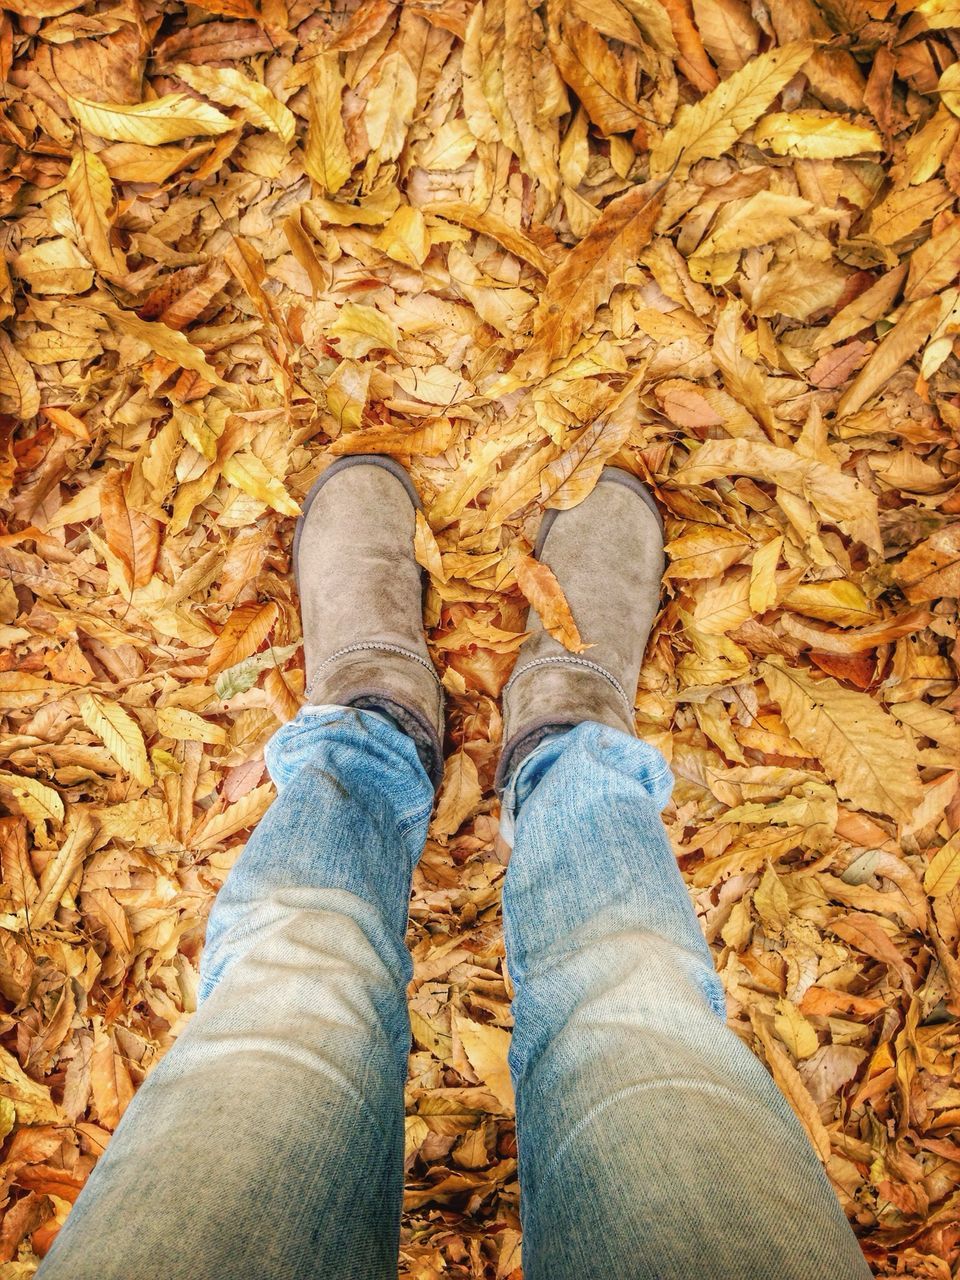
166, 119
870, 758
119, 733
537, 582
711, 126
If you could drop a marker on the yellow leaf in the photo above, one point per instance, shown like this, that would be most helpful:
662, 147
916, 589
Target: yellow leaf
119, 733
166, 119
134, 538
325, 156
795, 1031
38, 802
711, 126
248, 474
936, 262
489, 224
67, 422
426, 550
168, 343
870, 757
486, 1048
528, 97
792, 1087
763, 576
537, 582
932, 569
601, 81
240, 816
871, 305
164, 764
814, 135
158, 462
949, 87
839, 601
943, 871
32, 1102
390, 105
54, 267
903, 341
905, 210
771, 902
90, 192
187, 726
838, 497
437, 385
448, 147
18, 385
571, 477
405, 237
362, 329
233, 88
729, 33
460, 795
704, 552
198, 429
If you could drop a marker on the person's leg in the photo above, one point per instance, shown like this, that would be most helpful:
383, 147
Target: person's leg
268, 1143
653, 1144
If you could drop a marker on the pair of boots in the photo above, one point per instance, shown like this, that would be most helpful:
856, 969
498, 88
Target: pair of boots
361, 597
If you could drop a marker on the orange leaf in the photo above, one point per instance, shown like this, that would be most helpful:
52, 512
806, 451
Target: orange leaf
245, 630
132, 537
538, 584
588, 276
66, 421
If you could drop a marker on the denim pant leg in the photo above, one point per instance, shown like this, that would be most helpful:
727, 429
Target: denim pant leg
268, 1143
653, 1144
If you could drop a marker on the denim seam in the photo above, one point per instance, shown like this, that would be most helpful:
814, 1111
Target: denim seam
406, 825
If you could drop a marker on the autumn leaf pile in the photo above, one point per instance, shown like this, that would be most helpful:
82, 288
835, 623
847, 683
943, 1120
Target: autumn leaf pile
716, 242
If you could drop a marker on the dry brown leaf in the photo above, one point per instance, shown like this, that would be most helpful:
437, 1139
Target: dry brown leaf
593, 72
932, 569
231, 88
380, 314
486, 1048
903, 341
460, 796
587, 277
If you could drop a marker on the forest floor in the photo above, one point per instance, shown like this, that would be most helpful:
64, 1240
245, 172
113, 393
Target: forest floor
716, 242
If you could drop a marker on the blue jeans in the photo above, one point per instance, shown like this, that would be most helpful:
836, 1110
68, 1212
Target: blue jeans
268, 1143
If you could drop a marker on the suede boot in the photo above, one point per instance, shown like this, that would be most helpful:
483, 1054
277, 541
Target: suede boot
607, 555
361, 600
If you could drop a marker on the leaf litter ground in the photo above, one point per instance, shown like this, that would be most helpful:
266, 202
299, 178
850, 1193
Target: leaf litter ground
714, 242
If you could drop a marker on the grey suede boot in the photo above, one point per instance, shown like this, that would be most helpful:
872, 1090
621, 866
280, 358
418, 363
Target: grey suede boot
607, 555
361, 600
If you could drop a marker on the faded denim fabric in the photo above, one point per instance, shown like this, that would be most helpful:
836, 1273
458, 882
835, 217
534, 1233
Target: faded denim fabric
268, 1143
